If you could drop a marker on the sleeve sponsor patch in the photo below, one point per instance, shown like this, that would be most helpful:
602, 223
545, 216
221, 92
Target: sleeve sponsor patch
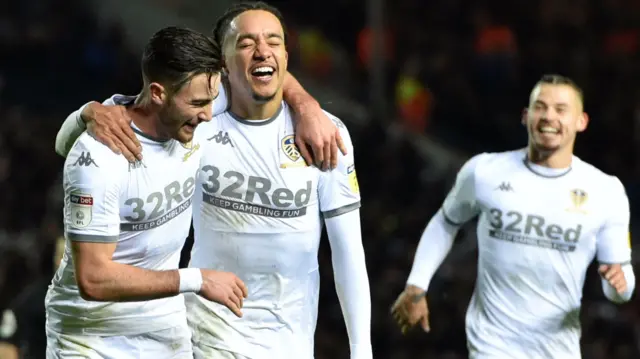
353, 179
80, 208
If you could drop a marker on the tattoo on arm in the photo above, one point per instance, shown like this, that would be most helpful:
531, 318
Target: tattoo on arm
416, 297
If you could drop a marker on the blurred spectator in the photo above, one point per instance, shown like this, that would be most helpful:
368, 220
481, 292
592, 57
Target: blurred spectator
413, 98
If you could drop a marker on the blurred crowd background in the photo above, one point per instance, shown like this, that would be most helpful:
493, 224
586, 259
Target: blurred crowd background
449, 79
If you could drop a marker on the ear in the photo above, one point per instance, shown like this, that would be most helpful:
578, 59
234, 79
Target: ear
158, 93
525, 112
583, 121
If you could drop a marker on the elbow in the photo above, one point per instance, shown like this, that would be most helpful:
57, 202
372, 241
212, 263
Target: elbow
90, 287
59, 146
89, 291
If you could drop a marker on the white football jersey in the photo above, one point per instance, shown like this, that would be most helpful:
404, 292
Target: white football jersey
538, 231
259, 214
146, 208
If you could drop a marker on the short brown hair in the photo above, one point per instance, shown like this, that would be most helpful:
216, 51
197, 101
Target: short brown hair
174, 55
554, 79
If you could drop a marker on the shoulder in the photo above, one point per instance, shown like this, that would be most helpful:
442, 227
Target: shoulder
489, 163
119, 99
344, 131
89, 158
599, 178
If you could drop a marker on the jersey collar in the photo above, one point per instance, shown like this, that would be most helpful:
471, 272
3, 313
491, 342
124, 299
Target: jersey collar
543, 171
256, 122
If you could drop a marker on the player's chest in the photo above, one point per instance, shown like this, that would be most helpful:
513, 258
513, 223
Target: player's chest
555, 214
159, 189
261, 171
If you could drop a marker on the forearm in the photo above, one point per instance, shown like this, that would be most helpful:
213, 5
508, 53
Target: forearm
71, 129
352, 283
612, 294
296, 96
435, 244
116, 282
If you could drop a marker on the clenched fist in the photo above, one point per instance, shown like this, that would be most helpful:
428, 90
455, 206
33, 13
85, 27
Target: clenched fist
613, 274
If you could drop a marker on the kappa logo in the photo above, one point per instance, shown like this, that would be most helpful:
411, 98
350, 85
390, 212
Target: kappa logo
290, 149
85, 160
222, 138
135, 165
504, 187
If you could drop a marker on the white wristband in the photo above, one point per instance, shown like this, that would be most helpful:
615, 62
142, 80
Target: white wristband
190, 280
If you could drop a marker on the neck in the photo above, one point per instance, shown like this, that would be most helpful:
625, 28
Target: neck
146, 118
250, 109
560, 158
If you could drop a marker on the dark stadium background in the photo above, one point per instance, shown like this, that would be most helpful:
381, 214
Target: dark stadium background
447, 79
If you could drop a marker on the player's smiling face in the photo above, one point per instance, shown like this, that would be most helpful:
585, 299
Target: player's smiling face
554, 116
190, 106
255, 54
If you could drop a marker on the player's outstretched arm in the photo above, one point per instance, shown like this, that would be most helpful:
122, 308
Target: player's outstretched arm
437, 239
314, 128
613, 247
352, 282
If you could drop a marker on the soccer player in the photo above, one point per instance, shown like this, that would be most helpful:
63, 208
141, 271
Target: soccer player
117, 291
261, 210
544, 214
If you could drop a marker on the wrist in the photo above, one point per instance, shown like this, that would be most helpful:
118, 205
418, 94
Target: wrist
85, 114
304, 103
190, 280
412, 289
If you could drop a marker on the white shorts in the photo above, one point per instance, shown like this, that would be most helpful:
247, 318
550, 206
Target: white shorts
201, 351
172, 343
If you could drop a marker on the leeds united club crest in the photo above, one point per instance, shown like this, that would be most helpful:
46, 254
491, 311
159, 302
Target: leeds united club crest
578, 199
290, 149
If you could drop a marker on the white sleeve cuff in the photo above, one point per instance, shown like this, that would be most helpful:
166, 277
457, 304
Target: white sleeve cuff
71, 129
435, 244
352, 282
